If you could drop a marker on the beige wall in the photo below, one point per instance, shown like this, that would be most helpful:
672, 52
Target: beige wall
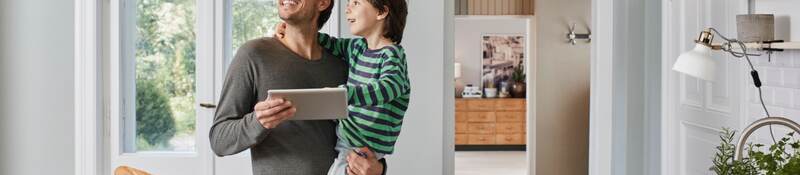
562, 88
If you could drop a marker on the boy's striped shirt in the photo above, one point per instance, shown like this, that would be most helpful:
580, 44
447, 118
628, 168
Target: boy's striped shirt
378, 91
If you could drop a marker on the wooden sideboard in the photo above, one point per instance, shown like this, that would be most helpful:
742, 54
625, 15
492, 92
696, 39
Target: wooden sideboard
495, 121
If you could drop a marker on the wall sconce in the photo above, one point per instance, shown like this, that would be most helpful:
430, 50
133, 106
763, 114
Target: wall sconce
698, 63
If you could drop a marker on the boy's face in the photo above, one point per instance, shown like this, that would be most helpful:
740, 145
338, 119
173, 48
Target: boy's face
301, 11
364, 19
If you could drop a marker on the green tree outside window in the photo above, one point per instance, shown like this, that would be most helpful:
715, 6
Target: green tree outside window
165, 66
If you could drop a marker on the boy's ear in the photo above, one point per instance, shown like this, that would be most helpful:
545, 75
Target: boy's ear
323, 4
382, 15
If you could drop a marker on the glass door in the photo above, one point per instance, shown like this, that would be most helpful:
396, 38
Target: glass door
168, 62
158, 77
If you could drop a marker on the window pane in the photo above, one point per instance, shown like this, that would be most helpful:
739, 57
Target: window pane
165, 75
252, 19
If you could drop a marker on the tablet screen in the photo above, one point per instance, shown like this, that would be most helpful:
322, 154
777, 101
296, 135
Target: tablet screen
315, 104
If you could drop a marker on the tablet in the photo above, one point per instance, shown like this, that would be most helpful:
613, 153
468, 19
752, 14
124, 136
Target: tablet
315, 104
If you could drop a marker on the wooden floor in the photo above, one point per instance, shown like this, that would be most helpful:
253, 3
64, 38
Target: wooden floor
490, 163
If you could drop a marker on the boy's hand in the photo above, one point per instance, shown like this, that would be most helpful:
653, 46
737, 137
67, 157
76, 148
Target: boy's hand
360, 165
280, 30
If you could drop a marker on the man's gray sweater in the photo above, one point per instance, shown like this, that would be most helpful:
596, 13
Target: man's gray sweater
293, 147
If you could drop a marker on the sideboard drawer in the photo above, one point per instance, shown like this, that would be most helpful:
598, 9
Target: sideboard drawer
510, 128
510, 139
481, 105
461, 128
482, 139
461, 105
510, 116
510, 105
481, 128
481, 116
462, 139
492, 121
462, 117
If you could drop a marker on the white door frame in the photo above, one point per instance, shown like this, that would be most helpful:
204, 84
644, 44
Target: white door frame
88, 90
449, 109
607, 48
601, 96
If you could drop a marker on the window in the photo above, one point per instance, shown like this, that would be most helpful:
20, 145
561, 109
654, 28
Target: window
158, 75
167, 57
252, 19
165, 75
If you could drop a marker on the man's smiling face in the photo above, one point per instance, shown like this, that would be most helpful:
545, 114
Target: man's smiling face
300, 11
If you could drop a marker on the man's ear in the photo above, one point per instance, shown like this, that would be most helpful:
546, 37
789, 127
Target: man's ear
384, 14
323, 4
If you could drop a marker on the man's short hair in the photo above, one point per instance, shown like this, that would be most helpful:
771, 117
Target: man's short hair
325, 15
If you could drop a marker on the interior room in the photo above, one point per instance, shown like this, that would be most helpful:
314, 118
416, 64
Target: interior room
500, 123
453, 87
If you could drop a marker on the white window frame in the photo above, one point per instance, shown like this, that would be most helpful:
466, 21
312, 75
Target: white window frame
94, 93
122, 109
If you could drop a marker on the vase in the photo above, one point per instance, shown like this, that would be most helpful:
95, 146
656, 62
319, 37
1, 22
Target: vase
518, 90
490, 92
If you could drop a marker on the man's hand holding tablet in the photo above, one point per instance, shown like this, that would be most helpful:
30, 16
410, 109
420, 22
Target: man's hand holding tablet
273, 111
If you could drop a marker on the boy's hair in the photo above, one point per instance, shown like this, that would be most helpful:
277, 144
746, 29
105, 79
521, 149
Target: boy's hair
395, 19
325, 15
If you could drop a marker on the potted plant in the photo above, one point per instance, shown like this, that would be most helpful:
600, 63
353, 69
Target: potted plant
782, 157
518, 82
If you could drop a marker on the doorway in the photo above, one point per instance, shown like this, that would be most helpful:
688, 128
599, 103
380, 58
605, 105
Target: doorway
544, 131
491, 104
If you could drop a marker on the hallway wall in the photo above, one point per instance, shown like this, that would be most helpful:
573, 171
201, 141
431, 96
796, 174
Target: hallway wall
562, 88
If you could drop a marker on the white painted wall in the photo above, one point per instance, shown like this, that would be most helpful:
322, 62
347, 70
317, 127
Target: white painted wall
36, 87
425, 144
787, 17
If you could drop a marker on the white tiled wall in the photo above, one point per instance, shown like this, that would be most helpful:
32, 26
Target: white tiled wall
780, 77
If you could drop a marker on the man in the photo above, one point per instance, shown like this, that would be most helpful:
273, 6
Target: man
245, 118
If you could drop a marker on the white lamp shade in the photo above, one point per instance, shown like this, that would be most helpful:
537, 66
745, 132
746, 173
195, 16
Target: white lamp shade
457, 69
696, 63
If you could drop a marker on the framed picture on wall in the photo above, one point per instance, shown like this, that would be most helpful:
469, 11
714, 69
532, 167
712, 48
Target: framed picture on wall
501, 54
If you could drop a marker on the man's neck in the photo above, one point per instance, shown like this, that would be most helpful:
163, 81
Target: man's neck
302, 40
